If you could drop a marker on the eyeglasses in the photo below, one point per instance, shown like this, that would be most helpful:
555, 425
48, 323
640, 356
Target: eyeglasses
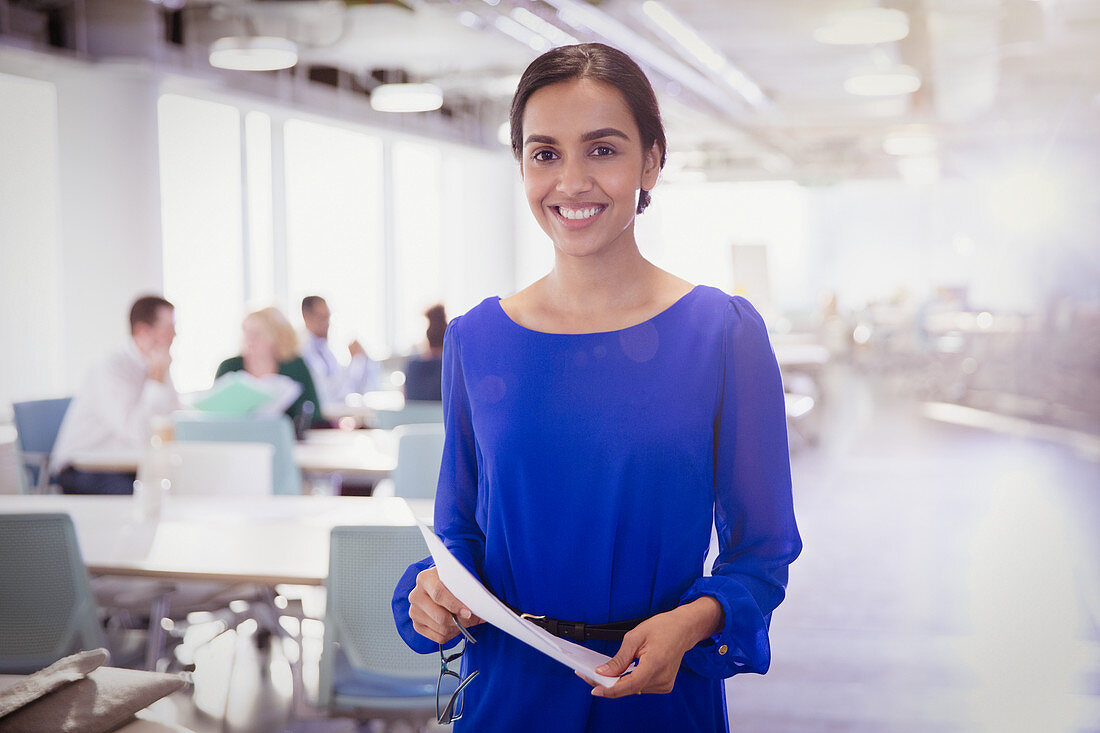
453, 709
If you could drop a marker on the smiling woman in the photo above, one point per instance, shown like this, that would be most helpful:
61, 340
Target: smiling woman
575, 482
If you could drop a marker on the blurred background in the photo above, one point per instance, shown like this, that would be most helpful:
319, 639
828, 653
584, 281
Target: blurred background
906, 189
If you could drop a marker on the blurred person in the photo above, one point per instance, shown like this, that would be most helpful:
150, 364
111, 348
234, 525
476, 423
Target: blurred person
270, 346
423, 372
118, 400
334, 381
598, 424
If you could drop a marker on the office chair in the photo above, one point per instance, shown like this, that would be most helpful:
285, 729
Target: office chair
37, 423
46, 605
419, 454
366, 668
275, 430
414, 412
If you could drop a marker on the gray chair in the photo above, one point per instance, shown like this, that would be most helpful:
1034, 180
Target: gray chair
366, 668
413, 413
275, 430
419, 455
46, 605
37, 423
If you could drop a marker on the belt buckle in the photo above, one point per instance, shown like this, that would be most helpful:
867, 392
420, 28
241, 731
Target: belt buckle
532, 617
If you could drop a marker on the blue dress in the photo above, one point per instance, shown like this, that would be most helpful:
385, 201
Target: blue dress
580, 478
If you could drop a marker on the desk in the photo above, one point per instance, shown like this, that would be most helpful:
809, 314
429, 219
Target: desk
264, 540
361, 454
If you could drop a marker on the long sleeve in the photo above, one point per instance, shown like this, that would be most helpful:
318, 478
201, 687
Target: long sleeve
114, 408
753, 511
456, 494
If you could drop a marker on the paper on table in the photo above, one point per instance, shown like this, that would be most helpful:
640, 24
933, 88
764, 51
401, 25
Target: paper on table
488, 607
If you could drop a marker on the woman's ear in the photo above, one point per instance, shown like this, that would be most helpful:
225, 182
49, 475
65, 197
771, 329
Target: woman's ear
651, 167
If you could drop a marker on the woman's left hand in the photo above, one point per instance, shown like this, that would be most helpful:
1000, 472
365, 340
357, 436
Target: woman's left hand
659, 644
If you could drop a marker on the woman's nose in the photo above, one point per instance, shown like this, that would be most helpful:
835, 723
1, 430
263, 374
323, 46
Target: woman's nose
574, 178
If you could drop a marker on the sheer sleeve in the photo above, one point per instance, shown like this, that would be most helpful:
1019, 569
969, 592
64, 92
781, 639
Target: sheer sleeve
753, 511
456, 493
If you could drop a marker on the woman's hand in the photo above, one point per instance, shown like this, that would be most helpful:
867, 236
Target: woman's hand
431, 606
659, 644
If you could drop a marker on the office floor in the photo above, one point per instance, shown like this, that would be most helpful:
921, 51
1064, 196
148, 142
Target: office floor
950, 582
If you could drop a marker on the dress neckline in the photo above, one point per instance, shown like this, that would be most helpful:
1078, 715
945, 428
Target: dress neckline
652, 318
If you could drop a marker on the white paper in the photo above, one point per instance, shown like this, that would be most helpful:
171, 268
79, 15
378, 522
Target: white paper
488, 607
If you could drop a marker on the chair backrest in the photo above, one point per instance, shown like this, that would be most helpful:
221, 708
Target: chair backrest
365, 564
47, 610
275, 430
414, 412
37, 423
419, 454
222, 469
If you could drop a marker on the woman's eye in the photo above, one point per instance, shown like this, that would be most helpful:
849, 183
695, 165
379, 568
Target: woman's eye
601, 150
544, 155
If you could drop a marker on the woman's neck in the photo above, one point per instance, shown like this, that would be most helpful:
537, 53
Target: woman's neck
601, 282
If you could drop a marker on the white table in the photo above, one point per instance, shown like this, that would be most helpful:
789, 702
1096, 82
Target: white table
358, 454
265, 540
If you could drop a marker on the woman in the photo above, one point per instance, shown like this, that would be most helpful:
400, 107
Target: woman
596, 422
423, 372
270, 346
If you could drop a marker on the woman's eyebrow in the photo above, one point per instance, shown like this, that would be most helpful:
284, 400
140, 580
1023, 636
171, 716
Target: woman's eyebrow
586, 137
604, 132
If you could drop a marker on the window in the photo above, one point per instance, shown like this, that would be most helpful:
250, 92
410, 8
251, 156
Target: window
334, 225
200, 182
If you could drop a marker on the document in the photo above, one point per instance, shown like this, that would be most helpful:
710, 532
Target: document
468, 589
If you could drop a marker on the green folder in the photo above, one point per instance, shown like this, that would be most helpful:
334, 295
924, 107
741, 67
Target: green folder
233, 396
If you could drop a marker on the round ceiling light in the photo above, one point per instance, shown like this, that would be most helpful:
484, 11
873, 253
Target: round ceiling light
406, 97
253, 53
888, 82
869, 25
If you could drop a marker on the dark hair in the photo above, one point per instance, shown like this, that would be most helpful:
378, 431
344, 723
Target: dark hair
602, 63
437, 325
310, 302
144, 310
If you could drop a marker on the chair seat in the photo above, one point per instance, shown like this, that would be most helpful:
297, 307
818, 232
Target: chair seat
349, 682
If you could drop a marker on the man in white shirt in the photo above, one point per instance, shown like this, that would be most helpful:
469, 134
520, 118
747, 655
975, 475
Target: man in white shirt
334, 381
120, 396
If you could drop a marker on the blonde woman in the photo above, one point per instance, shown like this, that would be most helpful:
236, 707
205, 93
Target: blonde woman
270, 346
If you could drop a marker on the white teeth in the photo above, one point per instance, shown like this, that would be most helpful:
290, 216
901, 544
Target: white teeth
579, 213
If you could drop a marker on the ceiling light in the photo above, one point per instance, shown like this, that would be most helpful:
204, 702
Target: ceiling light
504, 134
702, 52
253, 53
869, 25
883, 82
909, 143
406, 97
544, 28
522, 33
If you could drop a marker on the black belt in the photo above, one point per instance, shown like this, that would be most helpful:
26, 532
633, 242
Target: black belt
577, 631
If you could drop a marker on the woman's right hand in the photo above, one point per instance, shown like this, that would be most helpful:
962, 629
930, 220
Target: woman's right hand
431, 606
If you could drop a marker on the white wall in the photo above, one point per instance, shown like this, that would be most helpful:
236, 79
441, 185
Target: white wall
30, 289
88, 212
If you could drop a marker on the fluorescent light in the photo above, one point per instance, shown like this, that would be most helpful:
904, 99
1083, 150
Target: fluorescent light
253, 53
883, 82
406, 97
521, 33
869, 25
701, 52
543, 27
909, 143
